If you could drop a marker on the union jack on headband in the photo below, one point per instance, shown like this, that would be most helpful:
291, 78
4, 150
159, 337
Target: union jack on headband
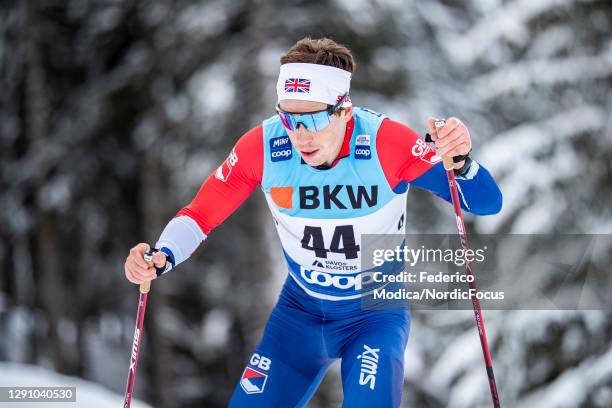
297, 85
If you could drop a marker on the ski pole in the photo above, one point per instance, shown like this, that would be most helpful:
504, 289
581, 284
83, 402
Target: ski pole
450, 173
142, 305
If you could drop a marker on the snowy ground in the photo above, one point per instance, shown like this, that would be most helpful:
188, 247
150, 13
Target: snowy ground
89, 394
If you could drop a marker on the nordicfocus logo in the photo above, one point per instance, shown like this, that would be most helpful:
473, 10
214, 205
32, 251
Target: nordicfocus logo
280, 149
255, 375
369, 366
424, 152
224, 171
341, 196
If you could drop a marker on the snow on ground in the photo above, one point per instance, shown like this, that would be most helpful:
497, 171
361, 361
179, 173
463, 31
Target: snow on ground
88, 394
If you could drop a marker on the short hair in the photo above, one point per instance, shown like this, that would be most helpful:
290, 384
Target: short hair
322, 51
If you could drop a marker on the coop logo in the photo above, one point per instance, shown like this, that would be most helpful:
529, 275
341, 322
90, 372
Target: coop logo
369, 366
224, 171
341, 196
424, 152
280, 149
343, 281
363, 153
281, 155
325, 279
362, 147
255, 375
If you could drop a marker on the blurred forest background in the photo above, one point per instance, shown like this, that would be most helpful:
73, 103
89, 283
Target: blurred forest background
112, 113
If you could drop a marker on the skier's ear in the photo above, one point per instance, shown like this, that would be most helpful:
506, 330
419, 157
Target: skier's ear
346, 114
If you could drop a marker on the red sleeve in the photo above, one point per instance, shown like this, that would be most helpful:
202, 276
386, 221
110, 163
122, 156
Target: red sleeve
403, 155
230, 184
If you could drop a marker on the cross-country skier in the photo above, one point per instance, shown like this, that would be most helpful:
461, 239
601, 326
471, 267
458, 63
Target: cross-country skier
330, 172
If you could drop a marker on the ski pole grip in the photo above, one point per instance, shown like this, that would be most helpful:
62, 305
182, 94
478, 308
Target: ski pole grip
145, 287
448, 161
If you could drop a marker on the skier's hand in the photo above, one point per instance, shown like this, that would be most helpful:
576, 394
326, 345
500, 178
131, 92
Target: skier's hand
453, 139
136, 268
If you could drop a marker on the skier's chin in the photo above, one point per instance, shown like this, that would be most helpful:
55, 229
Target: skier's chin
312, 158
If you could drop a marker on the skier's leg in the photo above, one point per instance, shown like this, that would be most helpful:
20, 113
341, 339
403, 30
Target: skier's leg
373, 360
288, 364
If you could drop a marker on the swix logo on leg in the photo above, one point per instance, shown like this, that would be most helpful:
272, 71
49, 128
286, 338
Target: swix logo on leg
255, 376
369, 366
224, 171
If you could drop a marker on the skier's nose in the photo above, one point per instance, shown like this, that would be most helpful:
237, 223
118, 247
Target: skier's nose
303, 135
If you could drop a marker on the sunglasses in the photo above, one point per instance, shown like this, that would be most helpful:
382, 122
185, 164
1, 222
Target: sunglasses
313, 121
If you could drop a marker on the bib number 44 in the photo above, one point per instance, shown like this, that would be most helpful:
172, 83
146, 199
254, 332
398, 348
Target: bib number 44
342, 241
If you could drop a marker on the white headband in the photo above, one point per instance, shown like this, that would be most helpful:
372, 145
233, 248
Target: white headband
312, 82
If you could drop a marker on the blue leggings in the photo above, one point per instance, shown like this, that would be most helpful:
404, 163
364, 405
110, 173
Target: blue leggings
305, 335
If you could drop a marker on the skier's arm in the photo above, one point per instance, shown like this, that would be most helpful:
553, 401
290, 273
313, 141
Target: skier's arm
478, 190
403, 155
406, 158
219, 196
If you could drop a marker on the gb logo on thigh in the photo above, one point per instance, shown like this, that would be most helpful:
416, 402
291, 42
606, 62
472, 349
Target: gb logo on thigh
255, 375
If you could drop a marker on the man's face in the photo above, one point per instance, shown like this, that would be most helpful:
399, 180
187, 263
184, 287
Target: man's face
317, 148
